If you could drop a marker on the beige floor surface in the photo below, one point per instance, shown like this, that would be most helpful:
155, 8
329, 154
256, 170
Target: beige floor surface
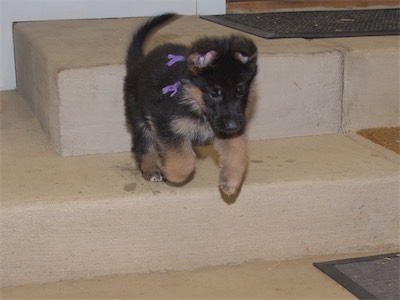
296, 279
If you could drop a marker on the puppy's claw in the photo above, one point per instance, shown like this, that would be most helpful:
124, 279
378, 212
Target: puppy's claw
229, 188
155, 176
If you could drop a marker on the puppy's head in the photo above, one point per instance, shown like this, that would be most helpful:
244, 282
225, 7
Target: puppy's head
223, 69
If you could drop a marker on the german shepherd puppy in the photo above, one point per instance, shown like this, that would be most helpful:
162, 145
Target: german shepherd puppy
177, 97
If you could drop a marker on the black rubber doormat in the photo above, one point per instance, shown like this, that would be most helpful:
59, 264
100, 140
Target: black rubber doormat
314, 24
373, 277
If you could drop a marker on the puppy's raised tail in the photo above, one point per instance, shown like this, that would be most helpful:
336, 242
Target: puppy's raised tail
135, 51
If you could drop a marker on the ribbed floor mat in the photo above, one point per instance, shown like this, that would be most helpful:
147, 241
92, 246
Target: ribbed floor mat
373, 277
388, 137
314, 24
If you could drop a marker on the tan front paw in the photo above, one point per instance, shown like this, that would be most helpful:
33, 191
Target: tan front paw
229, 185
177, 175
179, 165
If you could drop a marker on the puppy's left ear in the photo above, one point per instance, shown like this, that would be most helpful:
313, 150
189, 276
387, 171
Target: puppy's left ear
244, 58
243, 49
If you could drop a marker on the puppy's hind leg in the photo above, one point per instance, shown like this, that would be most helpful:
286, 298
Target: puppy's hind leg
233, 161
146, 153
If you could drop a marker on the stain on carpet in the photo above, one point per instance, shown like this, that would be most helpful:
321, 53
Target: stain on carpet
388, 137
130, 187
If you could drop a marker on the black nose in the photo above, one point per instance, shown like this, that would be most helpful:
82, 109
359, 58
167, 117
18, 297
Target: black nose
232, 125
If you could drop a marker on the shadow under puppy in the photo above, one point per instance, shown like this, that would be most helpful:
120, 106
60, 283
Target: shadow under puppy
177, 97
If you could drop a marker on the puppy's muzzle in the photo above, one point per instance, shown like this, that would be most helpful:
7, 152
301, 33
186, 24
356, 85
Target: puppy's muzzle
230, 125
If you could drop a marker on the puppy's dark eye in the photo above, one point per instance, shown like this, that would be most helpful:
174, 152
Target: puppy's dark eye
215, 94
240, 90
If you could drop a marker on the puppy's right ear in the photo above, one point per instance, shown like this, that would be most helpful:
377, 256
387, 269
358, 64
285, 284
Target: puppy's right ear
199, 61
203, 60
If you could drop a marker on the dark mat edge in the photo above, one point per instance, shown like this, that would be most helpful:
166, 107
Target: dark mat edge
240, 27
329, 268
271, 35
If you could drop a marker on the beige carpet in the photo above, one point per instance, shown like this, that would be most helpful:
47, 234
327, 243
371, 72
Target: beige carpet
386, 137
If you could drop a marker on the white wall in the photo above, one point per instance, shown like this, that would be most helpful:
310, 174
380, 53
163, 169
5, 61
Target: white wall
32, 10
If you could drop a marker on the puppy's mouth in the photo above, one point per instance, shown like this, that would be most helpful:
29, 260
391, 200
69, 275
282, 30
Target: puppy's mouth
229, 126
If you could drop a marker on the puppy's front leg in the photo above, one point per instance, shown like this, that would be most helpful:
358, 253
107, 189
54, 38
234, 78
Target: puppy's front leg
179, 163
233, 162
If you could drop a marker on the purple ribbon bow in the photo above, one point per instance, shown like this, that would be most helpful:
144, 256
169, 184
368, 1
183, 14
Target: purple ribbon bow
174, 58
171, 88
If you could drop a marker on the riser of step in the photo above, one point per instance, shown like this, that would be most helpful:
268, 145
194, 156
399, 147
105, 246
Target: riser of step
191, 229
86, 216
72, 72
